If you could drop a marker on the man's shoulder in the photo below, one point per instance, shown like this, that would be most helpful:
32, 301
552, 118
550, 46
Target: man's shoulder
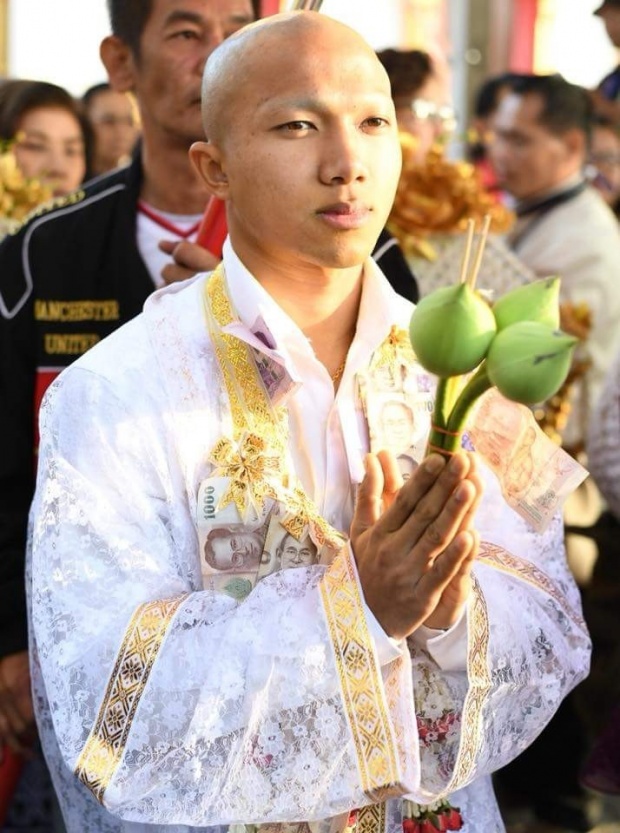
58, 244
93, 195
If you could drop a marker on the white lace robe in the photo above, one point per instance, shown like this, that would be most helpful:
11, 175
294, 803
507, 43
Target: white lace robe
181, 709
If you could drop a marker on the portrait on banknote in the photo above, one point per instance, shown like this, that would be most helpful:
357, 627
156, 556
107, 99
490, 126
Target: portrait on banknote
398, 415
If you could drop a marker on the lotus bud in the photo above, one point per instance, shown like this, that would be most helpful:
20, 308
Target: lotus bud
528, 361
451, 330
535, 301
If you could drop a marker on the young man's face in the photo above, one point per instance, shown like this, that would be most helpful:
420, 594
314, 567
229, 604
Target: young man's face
528, 158
178, 38
312, 157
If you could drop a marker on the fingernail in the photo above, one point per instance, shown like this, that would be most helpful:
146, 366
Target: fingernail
434, 463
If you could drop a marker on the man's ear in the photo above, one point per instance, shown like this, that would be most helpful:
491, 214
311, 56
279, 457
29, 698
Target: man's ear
576, 143
207, 160
118, 60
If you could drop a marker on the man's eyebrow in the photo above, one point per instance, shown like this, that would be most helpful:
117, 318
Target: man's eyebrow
186, 16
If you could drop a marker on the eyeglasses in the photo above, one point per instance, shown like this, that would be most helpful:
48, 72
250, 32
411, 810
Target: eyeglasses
426, 110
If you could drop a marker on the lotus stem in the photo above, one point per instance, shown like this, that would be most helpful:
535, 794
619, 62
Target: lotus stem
475, 387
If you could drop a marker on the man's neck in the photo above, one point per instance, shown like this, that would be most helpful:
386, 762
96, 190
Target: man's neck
324, 303
559, 188
170, 183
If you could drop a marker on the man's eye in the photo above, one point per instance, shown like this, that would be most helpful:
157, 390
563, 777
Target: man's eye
296, 126
186, 34
376, 121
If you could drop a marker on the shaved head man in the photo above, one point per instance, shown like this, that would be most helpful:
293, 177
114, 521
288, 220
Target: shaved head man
235, 398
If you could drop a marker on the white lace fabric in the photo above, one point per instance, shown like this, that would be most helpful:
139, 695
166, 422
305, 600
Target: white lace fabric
236, 712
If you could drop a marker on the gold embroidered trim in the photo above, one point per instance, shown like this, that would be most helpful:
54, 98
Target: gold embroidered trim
502, 560
360, 683
371, 819
250, 405
480, 683
105, 746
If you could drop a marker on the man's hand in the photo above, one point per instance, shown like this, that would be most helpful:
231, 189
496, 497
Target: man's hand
17, 726
189, 259
414, 544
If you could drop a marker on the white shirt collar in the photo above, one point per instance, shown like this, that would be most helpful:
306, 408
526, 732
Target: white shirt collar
380, 309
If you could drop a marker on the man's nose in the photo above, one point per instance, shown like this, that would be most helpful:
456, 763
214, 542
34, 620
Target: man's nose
344, 159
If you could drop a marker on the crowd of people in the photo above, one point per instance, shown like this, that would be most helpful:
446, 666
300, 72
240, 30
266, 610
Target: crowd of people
229, 594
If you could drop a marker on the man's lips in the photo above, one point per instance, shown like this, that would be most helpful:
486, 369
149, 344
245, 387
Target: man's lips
345, 215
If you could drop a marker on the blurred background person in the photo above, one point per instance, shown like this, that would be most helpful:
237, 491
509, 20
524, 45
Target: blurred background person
114, 120
603, 169
421, 97
540, 145
50, 134
606, 96
480, 132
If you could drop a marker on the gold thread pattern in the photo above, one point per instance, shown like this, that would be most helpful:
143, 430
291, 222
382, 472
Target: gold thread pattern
360, 683
480, 683
105, 745
371, 819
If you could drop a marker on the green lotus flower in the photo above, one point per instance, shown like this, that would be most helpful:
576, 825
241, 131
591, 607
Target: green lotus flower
451, 330
536, 301
528, 361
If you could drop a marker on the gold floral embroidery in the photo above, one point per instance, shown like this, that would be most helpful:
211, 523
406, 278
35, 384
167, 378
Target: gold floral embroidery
254, 469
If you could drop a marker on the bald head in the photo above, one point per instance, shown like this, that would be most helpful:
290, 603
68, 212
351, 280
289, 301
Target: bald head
302, 142
275, 43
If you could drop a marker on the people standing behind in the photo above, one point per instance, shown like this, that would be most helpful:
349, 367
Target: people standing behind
563, 227
48, 133
600, 692
436, 633
115, 123
421, 97
606, 96
539, 151
72, 275
603, 169
480, 132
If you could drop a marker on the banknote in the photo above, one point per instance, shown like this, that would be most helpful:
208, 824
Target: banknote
231, 551
398, 404
535, 474
234, 556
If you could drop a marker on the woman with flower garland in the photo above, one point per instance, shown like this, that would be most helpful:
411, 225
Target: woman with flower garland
437, 634
48, 132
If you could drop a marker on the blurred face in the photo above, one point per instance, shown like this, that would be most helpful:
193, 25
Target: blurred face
498, 428
605, 160
51, 149
427, 116
178, 38
397, 423
527, 157
611, 18
310, 159
113, 117
296, 553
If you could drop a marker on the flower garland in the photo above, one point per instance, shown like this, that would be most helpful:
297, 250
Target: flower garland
19, 194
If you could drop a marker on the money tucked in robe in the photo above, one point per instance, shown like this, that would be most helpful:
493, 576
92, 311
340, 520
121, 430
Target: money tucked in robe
165, 704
